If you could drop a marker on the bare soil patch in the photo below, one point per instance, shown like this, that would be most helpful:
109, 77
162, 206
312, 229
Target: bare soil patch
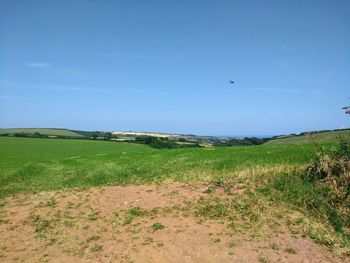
146, 223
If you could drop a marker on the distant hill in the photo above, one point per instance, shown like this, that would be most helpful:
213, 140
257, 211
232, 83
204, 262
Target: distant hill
43, 131
153, 134
304, 138
326, 136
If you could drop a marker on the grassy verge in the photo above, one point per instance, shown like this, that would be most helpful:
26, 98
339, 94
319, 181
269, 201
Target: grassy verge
279, 201
313, 201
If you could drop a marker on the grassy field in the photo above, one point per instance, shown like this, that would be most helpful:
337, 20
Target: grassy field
253, 192
53, 132
324, 137
29, 164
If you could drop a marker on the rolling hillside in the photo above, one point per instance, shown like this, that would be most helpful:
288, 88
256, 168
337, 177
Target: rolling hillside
321, 137
44, 131
48, 164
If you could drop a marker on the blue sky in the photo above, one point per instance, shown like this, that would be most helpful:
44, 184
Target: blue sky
165, 65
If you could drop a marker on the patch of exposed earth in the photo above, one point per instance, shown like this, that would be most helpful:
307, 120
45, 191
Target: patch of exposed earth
146, 223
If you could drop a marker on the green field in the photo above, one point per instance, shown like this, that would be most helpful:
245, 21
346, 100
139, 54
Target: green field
29, 164
44, 131
323, 137
275, 191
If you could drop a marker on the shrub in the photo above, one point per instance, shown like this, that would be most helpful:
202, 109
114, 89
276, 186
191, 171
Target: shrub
161, 143
332, 169
321, 190
247, 141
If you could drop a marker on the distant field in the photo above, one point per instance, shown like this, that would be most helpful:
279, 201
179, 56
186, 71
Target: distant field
155, 134
53, 132
29, 164
324, 137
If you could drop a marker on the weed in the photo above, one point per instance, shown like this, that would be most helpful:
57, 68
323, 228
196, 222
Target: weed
92, 216
93, 238
157, 226
290, 250
96, 248
58, 215
51, 202
299, 220
263, 259
233, 243
132, 213
4, 221
213, 209
148, 241
68, 223
51, 241
173, 193
69, 205
274, 246
220, 182
154, 211
216, 240
209, 190
2, 203
39, 224
227, 189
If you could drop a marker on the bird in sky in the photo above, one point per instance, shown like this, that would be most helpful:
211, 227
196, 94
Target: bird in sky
231, 81
347, 109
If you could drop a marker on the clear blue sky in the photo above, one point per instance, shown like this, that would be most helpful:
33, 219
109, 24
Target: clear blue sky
165, 65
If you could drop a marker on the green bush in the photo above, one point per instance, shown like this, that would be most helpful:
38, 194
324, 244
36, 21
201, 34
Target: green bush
161, 143
303, 195
332, 170
247, 141
321, 191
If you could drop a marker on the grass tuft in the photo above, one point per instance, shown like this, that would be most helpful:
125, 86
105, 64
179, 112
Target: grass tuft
132, 213
290, 250
157, 226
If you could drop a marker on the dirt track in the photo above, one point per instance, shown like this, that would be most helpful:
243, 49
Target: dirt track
116, 224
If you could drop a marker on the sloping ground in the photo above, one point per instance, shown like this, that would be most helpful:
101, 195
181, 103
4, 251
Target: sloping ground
323, 137
149, 223
44, 131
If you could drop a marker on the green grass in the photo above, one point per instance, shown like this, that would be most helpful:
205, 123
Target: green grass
132, 213
30, 164
45, 131
300, 194
324, 137
157, 226
276, 192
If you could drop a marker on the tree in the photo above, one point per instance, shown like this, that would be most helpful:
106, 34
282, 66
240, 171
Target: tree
108, 136
37, 134
94, 135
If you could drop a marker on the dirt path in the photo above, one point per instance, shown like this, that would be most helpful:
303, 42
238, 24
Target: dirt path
136, 224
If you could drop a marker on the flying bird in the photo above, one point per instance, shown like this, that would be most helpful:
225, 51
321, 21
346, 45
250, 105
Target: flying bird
231, 81
347, 109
